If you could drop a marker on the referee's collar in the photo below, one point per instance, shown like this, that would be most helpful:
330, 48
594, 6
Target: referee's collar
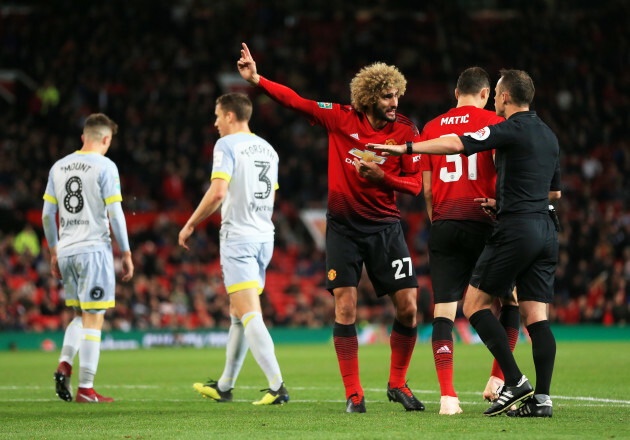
530, 113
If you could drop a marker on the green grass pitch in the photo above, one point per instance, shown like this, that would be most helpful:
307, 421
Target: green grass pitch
155, 399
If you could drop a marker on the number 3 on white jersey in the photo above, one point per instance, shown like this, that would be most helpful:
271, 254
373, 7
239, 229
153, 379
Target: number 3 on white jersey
399, 264
454, 176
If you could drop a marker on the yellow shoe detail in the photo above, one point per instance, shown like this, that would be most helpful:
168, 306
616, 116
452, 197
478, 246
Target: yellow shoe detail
206, 391
267, 399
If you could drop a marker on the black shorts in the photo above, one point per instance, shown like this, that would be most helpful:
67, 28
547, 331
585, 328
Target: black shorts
454, 247
384, 253
523, 250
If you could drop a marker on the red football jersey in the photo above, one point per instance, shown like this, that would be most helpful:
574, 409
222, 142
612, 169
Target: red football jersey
457, 180
352, 200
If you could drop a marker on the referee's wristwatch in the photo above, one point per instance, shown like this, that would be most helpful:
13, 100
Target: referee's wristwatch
409, 147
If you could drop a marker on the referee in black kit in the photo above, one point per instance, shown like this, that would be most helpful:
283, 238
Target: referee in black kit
523, 248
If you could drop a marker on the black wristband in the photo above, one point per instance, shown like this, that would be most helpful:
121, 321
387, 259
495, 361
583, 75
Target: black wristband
409, 147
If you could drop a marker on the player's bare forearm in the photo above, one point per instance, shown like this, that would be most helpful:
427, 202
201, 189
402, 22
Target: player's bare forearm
208, 205
210, 202
201, 213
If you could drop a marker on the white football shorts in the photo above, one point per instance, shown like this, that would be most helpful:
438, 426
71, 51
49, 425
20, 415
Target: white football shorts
243, 265
89, 280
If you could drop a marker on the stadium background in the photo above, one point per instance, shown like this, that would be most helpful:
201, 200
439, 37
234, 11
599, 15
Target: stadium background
156, 69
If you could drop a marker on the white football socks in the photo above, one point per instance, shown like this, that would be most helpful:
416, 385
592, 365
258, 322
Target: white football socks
71, 340
261, 345
235, 352
89, 352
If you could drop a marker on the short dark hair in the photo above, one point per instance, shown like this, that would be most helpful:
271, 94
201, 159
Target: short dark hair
472, 80
99, 120
519, 85
237, 103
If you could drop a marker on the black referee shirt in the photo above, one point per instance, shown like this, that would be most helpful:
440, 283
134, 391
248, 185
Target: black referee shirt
526, 158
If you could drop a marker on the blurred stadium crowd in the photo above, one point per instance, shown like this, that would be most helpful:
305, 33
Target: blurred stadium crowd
157, 70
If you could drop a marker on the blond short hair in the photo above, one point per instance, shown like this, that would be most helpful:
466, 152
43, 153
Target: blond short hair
97, 124
367, 85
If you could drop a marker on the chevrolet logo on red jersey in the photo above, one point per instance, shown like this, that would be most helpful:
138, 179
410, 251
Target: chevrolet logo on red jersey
368, 156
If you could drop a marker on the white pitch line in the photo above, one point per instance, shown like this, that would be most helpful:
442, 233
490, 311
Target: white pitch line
38, 387
602, 400
293, 401
593, 399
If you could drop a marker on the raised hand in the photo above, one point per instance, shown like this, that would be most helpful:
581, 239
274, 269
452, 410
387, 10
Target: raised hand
389, 150
247, 66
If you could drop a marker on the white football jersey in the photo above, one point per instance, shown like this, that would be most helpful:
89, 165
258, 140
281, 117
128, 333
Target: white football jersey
82, 185
250, 165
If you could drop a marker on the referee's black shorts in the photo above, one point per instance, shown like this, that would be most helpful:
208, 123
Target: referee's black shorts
454, 247
384, 253
522, 249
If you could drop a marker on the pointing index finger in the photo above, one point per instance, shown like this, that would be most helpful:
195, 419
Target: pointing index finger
246, 50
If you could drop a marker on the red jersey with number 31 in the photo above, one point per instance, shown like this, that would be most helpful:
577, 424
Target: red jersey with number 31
457, 180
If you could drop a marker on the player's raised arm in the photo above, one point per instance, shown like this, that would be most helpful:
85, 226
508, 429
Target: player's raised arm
247, 66
321, 113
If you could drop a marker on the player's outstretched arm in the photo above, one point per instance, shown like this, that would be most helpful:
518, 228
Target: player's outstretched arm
441, 145
280, 93
247, 66
389, 150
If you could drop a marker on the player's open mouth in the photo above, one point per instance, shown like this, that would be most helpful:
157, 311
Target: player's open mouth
391, 113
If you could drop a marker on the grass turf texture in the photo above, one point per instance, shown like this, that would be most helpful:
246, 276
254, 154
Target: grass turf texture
155, 399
